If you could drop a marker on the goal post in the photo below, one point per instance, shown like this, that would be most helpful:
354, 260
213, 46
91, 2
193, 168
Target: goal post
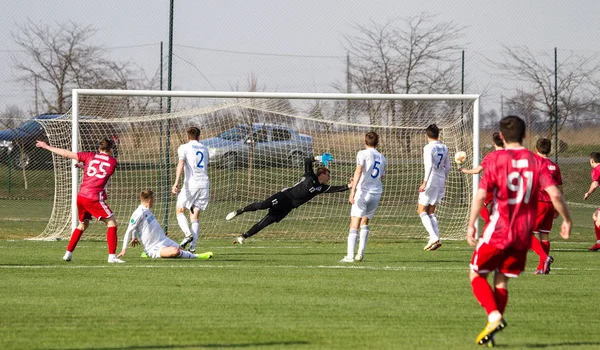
295, 125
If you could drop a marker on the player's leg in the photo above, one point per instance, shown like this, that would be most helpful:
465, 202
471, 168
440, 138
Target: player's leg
264, 222
268, 203
111, 239
362, 238
200, 204
596, 218
75, 236
352, 235
434, 224
422, 206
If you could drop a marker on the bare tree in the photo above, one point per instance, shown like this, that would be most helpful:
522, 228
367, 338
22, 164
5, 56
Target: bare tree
61, 58
574, 87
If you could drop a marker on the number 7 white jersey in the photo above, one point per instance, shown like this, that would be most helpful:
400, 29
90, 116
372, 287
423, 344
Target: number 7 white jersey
373, 169
195, 157
437, 164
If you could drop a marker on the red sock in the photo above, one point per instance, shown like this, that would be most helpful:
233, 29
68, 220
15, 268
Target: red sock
75, 236
111, 239
501, 297
546, 246
597, 229
537, 247
485, 214
484, 294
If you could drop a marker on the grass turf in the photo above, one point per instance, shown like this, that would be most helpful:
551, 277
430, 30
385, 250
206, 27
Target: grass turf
285, 295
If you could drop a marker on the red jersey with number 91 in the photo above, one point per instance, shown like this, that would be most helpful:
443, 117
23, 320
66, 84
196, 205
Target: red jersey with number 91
98, 167
515, 176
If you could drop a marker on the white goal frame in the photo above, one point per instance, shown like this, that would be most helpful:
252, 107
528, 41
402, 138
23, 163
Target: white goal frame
76, 93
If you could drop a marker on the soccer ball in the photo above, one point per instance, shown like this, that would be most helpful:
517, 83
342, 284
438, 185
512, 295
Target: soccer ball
460, 157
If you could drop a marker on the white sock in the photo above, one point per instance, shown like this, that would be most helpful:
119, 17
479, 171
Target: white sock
186, 255
195, 234
183, 224
434, 223
426, 220
111, 256
362, 243
352, 236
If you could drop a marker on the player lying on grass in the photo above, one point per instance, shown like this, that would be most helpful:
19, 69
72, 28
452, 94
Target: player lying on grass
514, 175
498, 144
144, 227
283, 202
97, 167
594, 162
545, 212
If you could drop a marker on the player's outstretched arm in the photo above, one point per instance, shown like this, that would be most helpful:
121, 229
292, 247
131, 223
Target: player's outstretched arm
474, 215
61, 152
476, 170
561, 207
593, 187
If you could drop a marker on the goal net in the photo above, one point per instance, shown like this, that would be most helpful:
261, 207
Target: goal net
257, 143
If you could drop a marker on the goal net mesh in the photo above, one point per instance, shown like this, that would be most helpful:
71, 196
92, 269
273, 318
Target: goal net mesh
257, 148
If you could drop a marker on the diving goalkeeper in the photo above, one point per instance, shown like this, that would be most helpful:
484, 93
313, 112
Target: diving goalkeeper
282, 203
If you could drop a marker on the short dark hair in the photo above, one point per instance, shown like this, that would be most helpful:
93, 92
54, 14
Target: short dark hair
146, 195
595, 156
105, 145
322, 170
497, 140
193, 133
371, 139
512, 128
544, 146
432, 131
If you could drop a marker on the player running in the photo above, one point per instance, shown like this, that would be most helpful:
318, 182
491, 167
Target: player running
545, 212
594, 162
433, 188
194, 195
144, 227
365, 194
514, 175
283, 202
97, 170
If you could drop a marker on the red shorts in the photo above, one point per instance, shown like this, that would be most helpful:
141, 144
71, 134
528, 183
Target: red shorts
487, 258
87, 208
488, 198
545, 216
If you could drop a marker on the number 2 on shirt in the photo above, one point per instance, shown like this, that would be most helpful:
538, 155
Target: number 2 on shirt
199, 164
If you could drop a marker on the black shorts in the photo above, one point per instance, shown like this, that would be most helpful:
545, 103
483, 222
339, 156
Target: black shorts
281, 206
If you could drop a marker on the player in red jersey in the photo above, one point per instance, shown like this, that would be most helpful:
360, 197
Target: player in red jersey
97, 168
546, 213
498, 144
514, 175
594, 162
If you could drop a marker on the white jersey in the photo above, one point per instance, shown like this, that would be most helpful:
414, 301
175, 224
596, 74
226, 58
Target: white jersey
373, 169
437, 164
146, 229
195, 165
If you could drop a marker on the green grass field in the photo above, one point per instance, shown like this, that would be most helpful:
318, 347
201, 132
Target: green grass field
273, 294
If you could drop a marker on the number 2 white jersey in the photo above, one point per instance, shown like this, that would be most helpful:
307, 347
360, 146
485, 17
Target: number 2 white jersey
437, 164
195, 157
373, 169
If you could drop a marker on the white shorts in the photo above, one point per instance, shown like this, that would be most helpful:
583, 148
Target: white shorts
154, 252
196, 197
432, 195
365, 204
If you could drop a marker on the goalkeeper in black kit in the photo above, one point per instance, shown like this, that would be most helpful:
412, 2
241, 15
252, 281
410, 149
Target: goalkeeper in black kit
282, 203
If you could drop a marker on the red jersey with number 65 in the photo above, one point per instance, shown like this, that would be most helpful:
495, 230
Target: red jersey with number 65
515, 176
98, 167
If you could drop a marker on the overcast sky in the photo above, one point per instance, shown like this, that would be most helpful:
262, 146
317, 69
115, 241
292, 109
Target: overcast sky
294, 46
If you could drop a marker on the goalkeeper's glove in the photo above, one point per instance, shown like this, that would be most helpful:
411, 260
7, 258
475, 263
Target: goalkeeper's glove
325, 158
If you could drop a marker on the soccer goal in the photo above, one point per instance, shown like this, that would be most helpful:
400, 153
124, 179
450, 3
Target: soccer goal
257, 143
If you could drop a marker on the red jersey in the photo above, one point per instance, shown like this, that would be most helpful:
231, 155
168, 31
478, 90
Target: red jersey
98, 167
554, 171
515, 176
485, 160
596, 174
